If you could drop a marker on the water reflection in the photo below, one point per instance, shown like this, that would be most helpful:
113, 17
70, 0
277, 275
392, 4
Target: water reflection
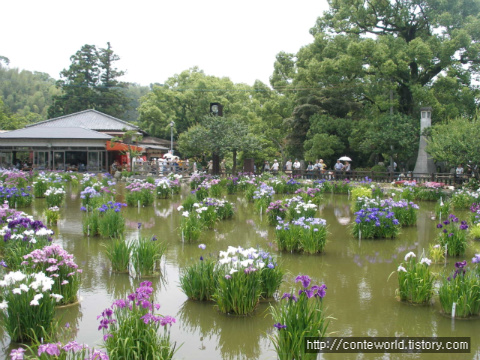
235, 337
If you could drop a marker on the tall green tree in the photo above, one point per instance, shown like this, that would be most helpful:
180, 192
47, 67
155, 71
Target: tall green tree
91, 82
185, 99
368, 56
218, 135
456, 141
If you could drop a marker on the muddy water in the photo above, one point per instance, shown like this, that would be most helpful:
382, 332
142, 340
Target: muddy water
360, 297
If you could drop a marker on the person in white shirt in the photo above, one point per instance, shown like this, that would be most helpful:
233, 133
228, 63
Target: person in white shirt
275, 166
288, 167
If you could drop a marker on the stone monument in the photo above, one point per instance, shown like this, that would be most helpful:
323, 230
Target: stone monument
424, 164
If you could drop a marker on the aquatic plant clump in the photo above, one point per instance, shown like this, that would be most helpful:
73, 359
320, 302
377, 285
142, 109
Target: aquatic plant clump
299, 314
52, 215
133, 330
463, 199
461, 287
54, 196
16, 197
405, 211
191, 225
262, 196
146, 255
304, 234
244, 276
58, 264
199, 280
415, 281
106, 220
91, 198
21, 236
71, 351
276, 211
373, 223
27, 309
453, 235
163, 189
140, 193
118, 251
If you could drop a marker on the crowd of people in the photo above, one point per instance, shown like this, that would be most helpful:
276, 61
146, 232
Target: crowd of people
292, 168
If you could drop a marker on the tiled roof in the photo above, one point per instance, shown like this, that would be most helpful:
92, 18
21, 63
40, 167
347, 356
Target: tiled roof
88, 119
40, 132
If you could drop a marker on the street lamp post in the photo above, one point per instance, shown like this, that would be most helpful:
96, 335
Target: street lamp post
172, 124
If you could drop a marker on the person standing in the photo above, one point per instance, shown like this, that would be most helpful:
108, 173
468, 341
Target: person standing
338, 167
266, 166
223, 168
296, 167
275, 166
288, 167
347, 168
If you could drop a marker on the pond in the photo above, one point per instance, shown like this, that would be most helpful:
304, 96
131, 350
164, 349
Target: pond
360, 296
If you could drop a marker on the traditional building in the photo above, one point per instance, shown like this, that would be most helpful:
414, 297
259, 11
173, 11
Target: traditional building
79, 141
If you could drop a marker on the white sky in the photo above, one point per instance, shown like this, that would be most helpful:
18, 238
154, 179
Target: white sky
156, 39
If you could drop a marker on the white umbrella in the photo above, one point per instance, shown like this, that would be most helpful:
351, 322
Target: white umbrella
345, 158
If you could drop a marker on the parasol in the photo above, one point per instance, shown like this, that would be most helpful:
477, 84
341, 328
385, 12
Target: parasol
345, 158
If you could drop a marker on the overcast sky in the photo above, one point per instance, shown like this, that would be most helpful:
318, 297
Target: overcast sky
158, 39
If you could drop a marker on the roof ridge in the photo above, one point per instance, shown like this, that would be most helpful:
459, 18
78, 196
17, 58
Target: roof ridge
82, 112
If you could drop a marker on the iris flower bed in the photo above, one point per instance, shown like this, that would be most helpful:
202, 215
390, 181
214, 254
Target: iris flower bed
118, 251
52, 215
200, 279
163, 189
140, 193
91, 198
461, 287
106, 221
191, 225
20, 237
58, 264
373, 223
262, 197
453, 235
27, 310
69, 351
300, 314
244, 276
304, 234
315, 195
415, 281
405, 211
463, 199
16, 197
132, 328
55, 196
276, 212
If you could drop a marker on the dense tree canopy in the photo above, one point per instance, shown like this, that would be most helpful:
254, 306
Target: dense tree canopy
456, 142
26, 95
91, 82
369, 56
